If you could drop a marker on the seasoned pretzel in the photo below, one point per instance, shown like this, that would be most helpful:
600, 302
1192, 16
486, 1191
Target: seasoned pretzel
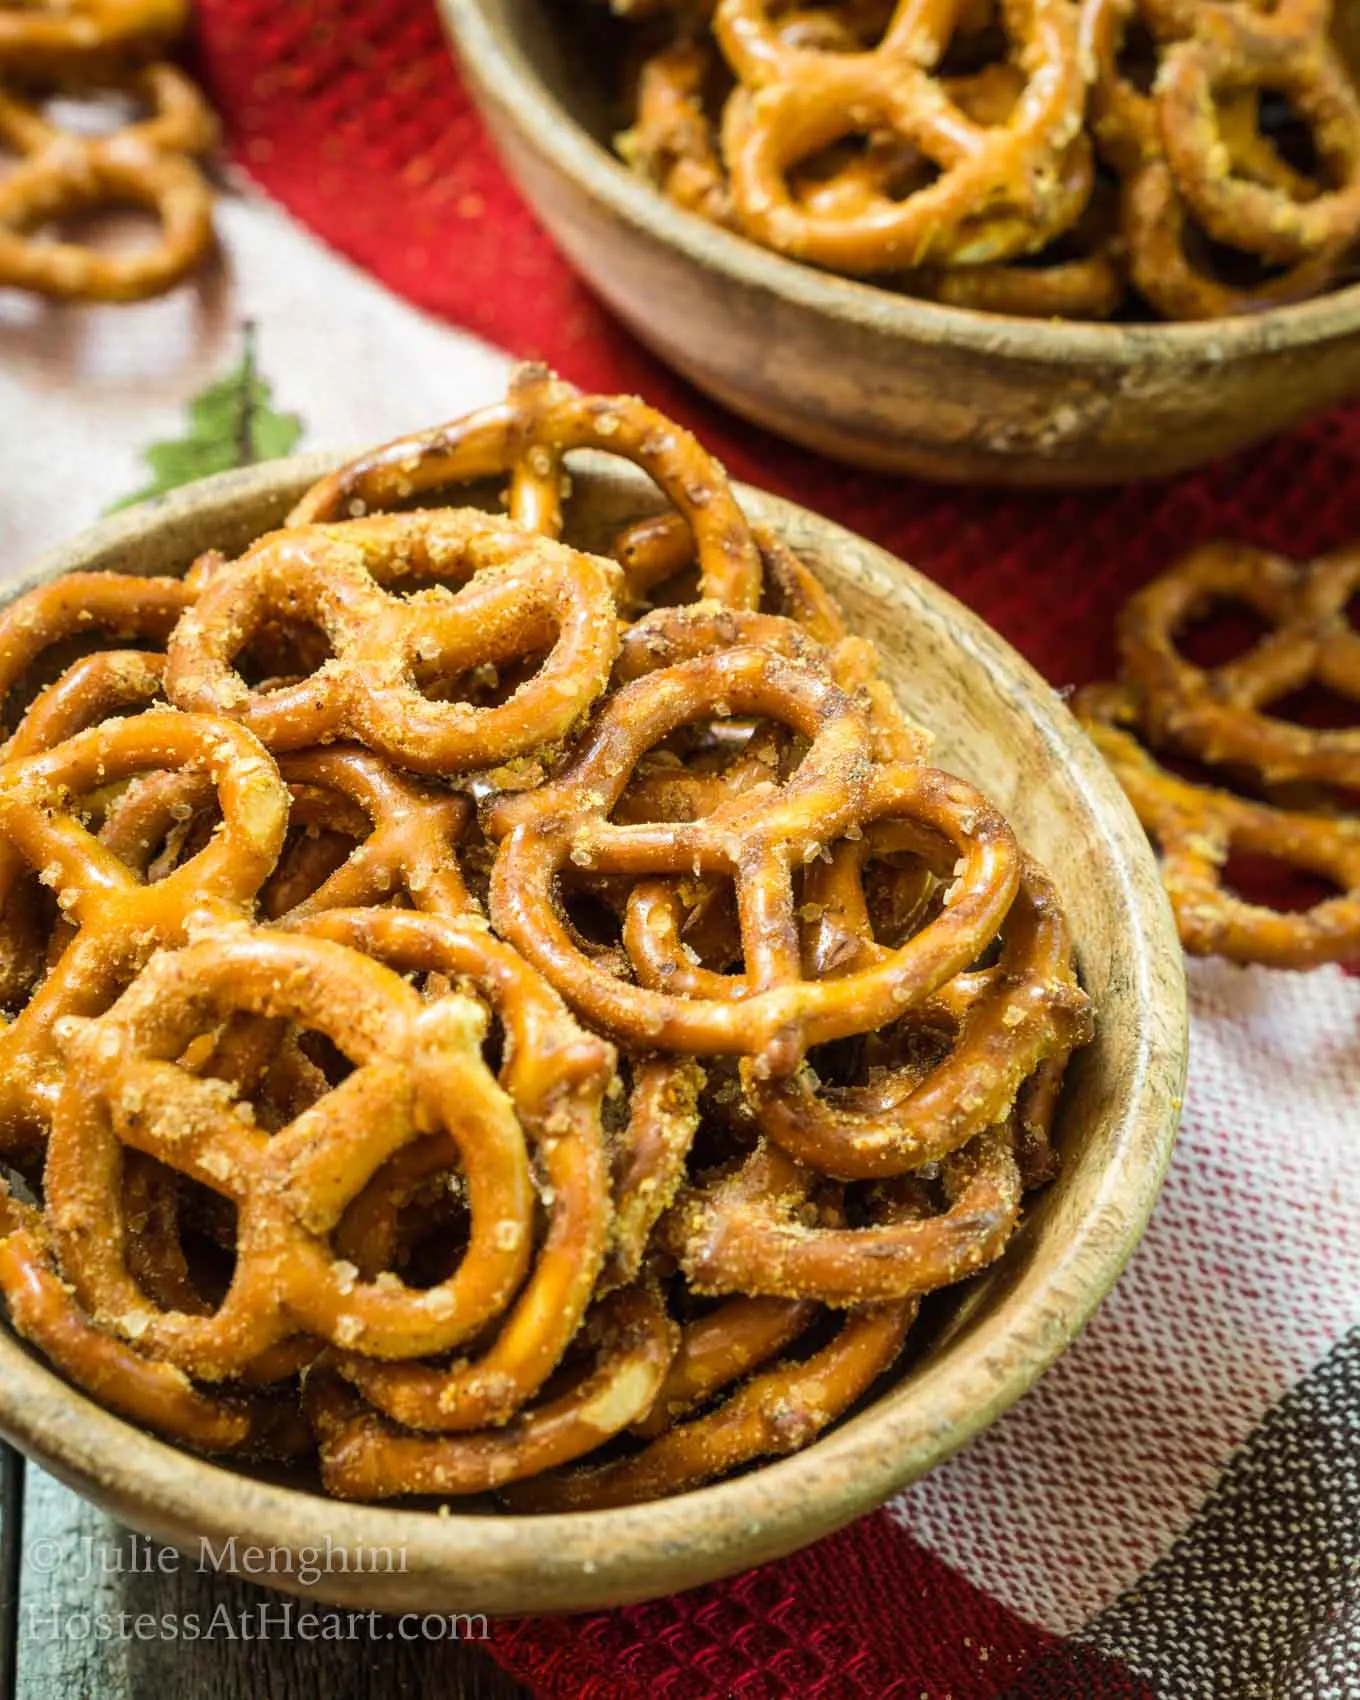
519, 595
1222, 714
147, 164
526, 438
365, 1457
120, 921
115, 605
1156, 220
742, 1234
1001, 189
556, 1076
410, 846
1243, 53
671, 139
779, 1411
418, 1070
648, 1158
1197, 828
156, 1395
43, 37
1005, 1021
722, 1348
757, 839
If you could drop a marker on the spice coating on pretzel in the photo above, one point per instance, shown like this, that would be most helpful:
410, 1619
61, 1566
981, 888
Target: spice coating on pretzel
316, 960
150, 164
518, 595
951, 151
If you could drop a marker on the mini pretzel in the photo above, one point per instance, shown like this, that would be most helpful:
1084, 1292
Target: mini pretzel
120, 921
1007, 1020
1000, 186
555, 1075
742, 1234
62, 173
1156, 219
1197, 828
1240, 51
769, 1012
721, 1349
418, 1070
411, 845
777, 1412
365, 1457
44, 37
519, 595
1222, 714
526, 438
155, 1395
648, 1158
671, 139
115, 605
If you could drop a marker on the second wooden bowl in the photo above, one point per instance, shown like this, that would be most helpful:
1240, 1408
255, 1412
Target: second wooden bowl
998, 724
874, 378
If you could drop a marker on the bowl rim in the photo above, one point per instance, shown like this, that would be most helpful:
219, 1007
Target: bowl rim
598, 1559
498, 63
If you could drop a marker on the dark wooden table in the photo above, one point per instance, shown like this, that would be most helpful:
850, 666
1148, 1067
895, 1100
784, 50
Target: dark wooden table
88, 1613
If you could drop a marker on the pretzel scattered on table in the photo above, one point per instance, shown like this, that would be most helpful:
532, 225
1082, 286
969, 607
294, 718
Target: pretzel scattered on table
1274, 788
96, 51
475, 1002
969, 153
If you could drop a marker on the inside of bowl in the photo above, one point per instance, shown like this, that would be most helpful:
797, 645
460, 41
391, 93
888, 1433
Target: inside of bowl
998, 725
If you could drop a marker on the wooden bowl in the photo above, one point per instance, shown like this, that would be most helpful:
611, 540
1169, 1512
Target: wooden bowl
871, 377
998, 724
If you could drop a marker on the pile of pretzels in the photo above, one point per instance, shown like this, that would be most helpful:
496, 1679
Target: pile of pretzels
94, 58
1075, 159
496, 1016
1250, 785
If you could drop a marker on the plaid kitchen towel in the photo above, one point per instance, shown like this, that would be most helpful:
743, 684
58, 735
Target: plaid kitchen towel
1174, 1512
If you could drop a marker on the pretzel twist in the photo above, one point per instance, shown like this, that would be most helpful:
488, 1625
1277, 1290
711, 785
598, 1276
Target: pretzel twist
1198, 828
1001, 189
154, 1394
417, 1071
526, 438
556, 1076
365, 1457
62, 173
120, 921
756, 839
1222, 714
519, 595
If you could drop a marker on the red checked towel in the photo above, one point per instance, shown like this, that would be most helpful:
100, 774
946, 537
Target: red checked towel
1174, 1512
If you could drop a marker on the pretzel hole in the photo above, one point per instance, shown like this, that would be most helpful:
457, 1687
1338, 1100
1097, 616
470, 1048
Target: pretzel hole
1318, 706
281, 651
590, 916
1222, 631
1232, 267
120, 227
201, 1227
101, 113
1137, 61
487, 685
1290, 136
1273, 883
309, 857
27, 920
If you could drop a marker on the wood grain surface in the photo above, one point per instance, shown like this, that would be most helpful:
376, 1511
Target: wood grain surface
74, 1567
